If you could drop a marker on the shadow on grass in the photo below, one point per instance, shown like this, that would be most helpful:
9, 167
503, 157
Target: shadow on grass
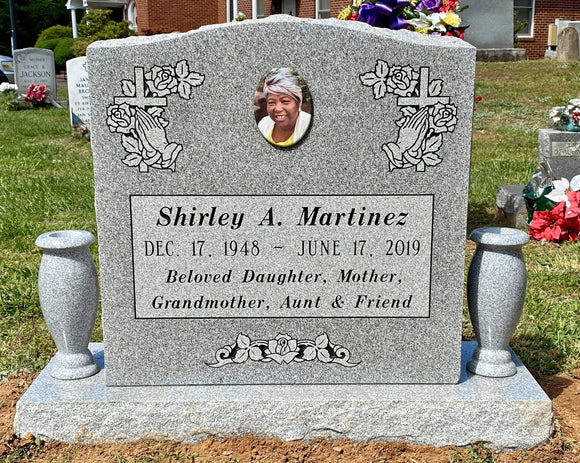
480, 215
540, 353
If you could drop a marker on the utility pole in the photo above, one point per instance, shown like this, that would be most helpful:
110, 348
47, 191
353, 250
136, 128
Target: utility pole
13, 26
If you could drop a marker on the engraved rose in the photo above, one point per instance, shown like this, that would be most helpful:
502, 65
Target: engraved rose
402, 80
443, 118
282, 349
121, 118
161, 80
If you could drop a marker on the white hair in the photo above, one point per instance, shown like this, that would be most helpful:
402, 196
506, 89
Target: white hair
283, 81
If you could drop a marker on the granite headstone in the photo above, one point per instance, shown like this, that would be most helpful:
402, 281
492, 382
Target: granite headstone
562, 24
228, 259
490, 23
34, 66
568, 45
230, 264
562, 150
78, 92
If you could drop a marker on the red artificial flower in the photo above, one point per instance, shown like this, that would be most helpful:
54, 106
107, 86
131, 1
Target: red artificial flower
560, 224
448, 5
573, 210
353, 17
478, 98
548, 225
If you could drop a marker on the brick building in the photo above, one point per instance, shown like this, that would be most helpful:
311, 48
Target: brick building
539, 14
155, 16
160, 16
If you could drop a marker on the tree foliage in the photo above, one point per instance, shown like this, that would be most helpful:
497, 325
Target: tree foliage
32, 16
98, 25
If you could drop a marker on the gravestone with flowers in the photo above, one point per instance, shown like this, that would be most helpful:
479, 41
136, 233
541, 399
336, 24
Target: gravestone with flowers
558, 163
281, 234
34, 67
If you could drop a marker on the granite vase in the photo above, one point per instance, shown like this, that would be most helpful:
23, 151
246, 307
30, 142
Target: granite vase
68, 290
496, 289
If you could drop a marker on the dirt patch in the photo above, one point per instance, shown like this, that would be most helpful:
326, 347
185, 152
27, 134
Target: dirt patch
564, 390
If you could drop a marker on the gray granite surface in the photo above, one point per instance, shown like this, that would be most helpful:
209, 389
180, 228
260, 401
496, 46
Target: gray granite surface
510, 205
496, 290
173, 126
490, 24
69, 298
568, 45
505, 413
34, 66
562, 150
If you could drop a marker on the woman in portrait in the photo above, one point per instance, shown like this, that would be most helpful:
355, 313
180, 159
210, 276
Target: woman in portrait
286, 123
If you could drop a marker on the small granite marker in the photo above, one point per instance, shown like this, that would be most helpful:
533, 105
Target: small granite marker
568, 45
34, 66
78, 93
281, 233
562, 150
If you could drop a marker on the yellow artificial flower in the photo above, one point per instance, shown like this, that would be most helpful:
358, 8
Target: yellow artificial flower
345, 13
452, 19
422, 31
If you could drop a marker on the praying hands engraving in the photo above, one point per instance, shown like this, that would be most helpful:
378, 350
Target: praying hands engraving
426, 114
137, 114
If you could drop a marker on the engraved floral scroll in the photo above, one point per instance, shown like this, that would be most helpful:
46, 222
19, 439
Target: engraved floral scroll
283, 349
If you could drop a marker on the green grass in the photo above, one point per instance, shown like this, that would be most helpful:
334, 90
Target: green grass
516, 99
46, 184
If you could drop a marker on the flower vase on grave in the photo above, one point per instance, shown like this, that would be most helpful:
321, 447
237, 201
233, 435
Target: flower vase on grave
68, 290
496, 289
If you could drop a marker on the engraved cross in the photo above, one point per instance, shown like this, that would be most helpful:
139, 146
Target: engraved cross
423, 99
140, 99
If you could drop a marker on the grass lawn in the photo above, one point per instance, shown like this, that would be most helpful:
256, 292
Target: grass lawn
46, 183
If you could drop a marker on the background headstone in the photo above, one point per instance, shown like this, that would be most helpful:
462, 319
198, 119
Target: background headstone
568, 45
562, 24
178, 158
78, 92
490, 22
34, 66
562, 150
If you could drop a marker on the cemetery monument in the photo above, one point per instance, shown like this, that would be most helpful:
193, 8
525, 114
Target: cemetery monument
281, 234
34, 66
78, 93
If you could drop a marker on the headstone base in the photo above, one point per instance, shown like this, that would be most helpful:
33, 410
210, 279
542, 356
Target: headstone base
490, 55
505, 413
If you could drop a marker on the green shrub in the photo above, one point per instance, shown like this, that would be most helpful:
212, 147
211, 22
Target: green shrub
54, 32
98, 25
79, 48
62, 48
63, 51
49, 44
